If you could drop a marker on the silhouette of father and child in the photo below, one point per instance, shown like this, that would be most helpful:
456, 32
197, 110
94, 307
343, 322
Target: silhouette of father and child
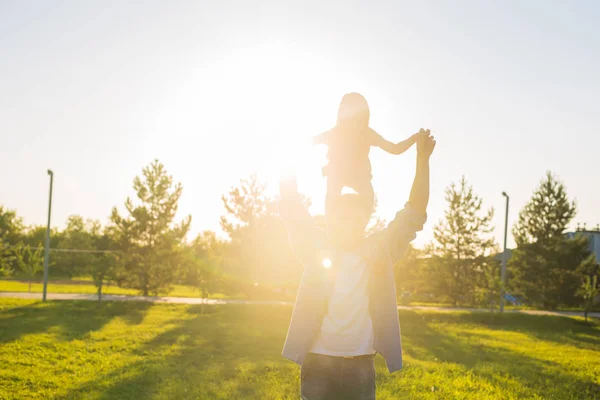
345, 311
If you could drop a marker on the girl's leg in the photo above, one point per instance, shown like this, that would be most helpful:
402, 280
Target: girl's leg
364, 187
334, 191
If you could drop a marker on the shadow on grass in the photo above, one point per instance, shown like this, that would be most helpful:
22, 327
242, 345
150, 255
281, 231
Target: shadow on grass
233, 352
74, 319
556, 329
212, 354
493, 363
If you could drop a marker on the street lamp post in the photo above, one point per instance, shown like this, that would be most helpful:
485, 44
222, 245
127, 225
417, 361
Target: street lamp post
504, 254
47, 245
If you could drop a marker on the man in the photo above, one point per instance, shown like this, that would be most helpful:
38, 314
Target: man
346, 309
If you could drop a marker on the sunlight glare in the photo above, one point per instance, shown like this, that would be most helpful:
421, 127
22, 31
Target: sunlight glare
326, 263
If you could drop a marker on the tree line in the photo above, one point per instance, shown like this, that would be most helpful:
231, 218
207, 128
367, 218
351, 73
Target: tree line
462, 265
146, 249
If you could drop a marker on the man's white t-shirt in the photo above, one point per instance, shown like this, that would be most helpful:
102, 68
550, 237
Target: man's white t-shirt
347, 329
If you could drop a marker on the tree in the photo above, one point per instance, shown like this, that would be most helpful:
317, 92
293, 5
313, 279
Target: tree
208, 278
76, 246
101, 270
6, 260
148, 238
462, 246
202, 274
546, 215
258, 248
546, 265
11, 229
30, 262
245, 205
35, 237
204, 262
408, 275
588, 291
105, 260
489, 288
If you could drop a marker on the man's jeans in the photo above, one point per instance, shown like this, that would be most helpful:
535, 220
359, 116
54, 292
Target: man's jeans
330, 378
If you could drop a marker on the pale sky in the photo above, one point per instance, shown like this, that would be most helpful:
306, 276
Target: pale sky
96, 90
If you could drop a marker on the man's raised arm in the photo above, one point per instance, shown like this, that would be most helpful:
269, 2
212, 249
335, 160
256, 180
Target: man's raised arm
419, 194
403, 229
302, 230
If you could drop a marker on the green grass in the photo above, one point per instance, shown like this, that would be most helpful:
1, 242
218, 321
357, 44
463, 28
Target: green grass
139, 350
84, 288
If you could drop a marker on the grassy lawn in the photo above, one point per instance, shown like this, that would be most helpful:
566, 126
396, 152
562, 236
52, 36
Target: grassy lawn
17, 286
138, 350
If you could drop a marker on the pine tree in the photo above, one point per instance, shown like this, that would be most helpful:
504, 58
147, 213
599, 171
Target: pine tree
463, 245
545, 266
149, 239
546, 215
245, 205
258, 249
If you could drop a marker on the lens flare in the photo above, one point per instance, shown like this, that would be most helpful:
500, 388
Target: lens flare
326, 263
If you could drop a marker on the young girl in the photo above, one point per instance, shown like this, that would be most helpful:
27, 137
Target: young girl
349, 143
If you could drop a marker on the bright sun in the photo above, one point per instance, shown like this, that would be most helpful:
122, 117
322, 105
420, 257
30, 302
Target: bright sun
256, 109
276, 92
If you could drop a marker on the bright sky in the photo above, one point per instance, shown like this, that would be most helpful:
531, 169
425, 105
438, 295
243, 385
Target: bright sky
96, 90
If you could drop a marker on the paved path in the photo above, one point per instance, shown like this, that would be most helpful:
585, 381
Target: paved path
118, 297
196, 300
530, 312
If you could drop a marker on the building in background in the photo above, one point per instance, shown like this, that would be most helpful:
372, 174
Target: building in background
593, 237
